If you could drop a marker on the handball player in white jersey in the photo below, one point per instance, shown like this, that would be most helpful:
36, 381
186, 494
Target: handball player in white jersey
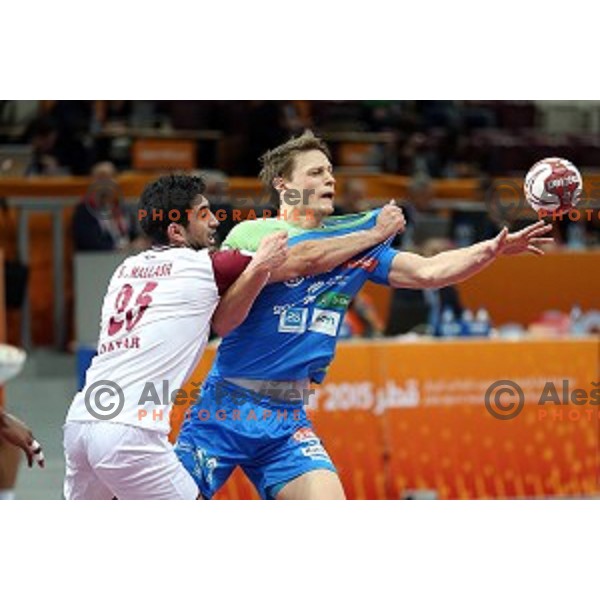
154, 326
156, 318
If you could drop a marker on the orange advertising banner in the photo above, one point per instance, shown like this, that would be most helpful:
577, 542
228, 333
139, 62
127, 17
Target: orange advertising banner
163, 154
456, 419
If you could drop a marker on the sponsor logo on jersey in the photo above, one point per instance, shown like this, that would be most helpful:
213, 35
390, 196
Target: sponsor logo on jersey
292, 283
315, 451
293, 320
366, 263
305, 434
281, 308
325, 321
333, 300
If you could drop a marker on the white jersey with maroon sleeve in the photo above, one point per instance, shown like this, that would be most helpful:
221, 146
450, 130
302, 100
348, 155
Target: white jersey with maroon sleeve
154, 327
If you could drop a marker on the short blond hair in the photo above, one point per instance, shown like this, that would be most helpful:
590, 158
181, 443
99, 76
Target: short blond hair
279, 162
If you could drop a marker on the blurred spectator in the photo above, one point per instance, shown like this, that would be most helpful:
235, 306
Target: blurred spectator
445, 114
352, 197
110, 124
113, 114
148, 114
469, 225
42, 134
200, 115
421, 309
221, 203
101, 221
416, 209
420, 191
60, 139
390, 115
73, 119
195, 114
18, 113
265, 128
341, 115
361, 319
418, 157
296, 116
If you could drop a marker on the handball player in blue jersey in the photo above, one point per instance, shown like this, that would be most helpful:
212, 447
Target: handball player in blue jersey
250, 412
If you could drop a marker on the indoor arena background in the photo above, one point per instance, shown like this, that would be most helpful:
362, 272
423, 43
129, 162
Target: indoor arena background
404, 413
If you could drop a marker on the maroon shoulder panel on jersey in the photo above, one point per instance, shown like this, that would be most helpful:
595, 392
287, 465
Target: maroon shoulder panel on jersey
228, 266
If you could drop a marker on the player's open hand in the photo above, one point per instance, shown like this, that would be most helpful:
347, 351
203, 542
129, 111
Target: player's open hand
390, 221
528, 239
272, 252
17, 433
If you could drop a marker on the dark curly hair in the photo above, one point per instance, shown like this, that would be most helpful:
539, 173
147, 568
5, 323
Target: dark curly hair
167, 201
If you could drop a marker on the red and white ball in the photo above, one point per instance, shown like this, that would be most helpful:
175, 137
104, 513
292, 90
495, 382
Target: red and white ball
553, 185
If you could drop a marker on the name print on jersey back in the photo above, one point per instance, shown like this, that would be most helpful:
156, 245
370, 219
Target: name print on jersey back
154, 326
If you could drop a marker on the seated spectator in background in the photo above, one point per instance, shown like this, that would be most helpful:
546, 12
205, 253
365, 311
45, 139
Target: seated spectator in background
474, 225
263, 124
418, 157
72, 119
58, 139
417, 202
101, 221
42, 134
221, 202
340, 115
112, 115
417, 309
361, 319
580, 234
352, 197
420, 191
18, 113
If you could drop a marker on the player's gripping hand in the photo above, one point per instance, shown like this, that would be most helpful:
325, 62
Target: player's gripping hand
15, 432
390, 221
272, 252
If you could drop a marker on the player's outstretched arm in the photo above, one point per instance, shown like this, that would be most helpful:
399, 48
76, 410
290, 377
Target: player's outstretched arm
15, 432
320, 256
447, 268
236, 303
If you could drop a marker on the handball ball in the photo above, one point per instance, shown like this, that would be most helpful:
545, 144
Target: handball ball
553, 185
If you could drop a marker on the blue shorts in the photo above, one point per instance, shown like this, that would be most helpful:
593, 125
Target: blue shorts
230, 426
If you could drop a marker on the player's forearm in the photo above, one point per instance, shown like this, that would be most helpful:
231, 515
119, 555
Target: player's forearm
454, 266
320, 256
446, 268
235, 305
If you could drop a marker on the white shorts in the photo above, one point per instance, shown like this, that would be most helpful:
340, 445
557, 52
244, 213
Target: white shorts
107, 460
